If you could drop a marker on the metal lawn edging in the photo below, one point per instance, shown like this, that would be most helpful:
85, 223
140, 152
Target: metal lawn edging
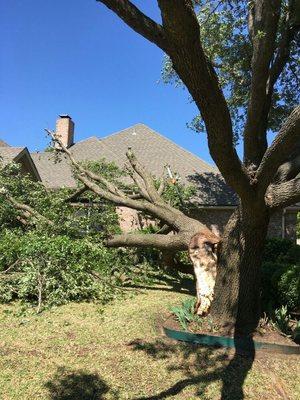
246, 345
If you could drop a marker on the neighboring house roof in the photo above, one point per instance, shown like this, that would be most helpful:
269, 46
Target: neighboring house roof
20, 155
153, 150
9, 154
55, 172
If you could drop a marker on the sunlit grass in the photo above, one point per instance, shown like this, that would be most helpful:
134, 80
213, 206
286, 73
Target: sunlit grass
83, 351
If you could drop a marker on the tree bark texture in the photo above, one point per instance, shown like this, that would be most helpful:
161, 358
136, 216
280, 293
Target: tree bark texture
236, 304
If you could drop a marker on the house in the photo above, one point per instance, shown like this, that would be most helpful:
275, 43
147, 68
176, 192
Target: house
213, 203
18, 155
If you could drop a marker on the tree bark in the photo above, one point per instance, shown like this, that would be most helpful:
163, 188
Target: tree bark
236, 304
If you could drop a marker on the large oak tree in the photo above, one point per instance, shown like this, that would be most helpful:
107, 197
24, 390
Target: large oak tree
268, 178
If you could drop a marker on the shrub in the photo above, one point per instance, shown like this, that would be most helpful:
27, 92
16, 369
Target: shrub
281, 276
52, 270
289, 287
276, 248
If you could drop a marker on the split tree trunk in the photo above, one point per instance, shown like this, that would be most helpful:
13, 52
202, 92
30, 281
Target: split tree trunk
237, 290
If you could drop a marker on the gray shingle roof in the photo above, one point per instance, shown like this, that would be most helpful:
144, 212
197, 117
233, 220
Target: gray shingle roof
9, 154
54, 172
152, 149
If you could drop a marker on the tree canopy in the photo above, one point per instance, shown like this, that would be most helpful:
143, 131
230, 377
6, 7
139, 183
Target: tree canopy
228, 39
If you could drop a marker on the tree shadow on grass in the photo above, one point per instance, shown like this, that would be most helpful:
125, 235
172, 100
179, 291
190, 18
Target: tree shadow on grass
178, 285
201, 366
77, 385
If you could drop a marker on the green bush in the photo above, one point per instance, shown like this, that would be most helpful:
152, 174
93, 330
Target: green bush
289, 287
52, 270
276, 248
281, 276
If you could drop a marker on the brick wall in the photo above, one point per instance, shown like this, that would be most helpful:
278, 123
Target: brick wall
217, 218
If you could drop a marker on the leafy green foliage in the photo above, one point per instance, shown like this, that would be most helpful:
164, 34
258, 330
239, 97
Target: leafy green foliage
178, 195
282, 319
47, 265
281, 276
52, 270
185, 313
226, 42
289, 287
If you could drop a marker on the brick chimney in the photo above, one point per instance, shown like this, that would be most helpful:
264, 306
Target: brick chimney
65, 130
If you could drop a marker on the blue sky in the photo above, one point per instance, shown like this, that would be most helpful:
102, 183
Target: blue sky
76, 57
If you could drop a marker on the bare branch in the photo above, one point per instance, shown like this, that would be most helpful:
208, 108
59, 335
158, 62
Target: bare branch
139, 184
156, 207
164, 212
282, 56
11, 267
283, 145
138, 21
162, 183
146, 177
109, 186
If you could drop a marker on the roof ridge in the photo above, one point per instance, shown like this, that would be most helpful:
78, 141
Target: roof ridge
206, 164
122, 130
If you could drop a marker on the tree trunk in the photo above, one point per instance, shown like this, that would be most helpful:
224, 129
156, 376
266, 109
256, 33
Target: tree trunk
236, 304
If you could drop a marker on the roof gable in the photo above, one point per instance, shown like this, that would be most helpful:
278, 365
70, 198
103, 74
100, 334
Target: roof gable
9, 154
19, 155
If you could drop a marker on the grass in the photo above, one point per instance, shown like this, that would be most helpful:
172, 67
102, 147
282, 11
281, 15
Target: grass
81, 351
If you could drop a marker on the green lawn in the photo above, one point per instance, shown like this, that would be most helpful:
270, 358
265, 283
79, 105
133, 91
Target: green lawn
80, 351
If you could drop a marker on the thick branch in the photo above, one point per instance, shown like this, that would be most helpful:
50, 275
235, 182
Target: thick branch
176, 242
108, 185
166, 213
191, 64
282, 55
288, 170
138, 21
282, 147
264, 16
74, 196
181, 32
284, 194
140, 186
